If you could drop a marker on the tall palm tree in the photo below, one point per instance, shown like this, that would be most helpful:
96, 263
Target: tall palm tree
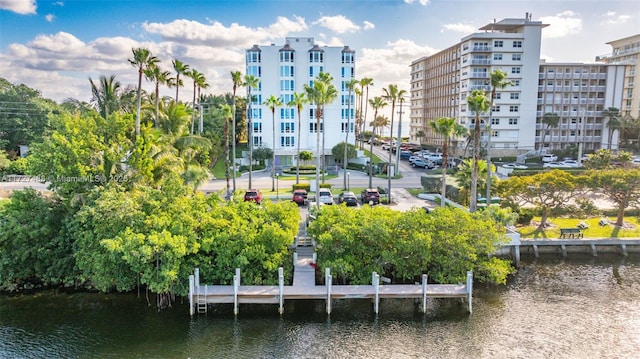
613, 123
350, 86
298, 101
446, 127
392, 94
272, 102
478, 103
327, 97
227, 114
498, 82
236, 77
156, 75
250, 82
364, 88
105, 95
181, 69
359, 120
201, 83
195, 75
142, 59
551, 119
376, 104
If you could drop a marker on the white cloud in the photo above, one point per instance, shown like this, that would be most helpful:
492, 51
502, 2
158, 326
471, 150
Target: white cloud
459, 27
610, 18
334, 41
368, 25
422, 2
49, 17
562, 24
338, 23
22, 7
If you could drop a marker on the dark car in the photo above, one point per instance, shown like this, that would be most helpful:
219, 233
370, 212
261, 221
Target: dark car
253, 195
370, 195
348, 198
405, 155
300, 197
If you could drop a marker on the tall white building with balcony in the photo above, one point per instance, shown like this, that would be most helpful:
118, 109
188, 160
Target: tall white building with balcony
626, 51
441, 83
285, 69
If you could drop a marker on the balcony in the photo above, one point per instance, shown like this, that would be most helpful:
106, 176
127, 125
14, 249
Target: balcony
480, 62
479, 75
481, 48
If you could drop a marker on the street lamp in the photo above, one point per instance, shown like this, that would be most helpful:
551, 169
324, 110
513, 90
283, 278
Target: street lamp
277, 187
348, 173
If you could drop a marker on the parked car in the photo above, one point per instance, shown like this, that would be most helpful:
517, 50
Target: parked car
370, 195
385, 146
253, 195
549, 158
300, 197
405, 155
422, 163
325, 196
636, 161
555, 165
515, 166
348, 198
571, 163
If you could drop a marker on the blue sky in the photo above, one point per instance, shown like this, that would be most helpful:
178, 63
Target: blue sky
55, 46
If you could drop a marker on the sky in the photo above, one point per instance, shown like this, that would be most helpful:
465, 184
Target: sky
56, 46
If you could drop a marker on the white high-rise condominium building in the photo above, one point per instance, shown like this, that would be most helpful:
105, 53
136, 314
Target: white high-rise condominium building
441, 83
285, 69
626, 51
579, 95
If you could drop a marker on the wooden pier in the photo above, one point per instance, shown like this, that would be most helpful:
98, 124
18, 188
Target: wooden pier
304, 287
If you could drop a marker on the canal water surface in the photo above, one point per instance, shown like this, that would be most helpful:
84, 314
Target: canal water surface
580, 307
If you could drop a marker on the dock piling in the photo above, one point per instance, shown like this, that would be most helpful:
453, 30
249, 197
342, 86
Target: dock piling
281, 289
424, 293
328, 280
376, 290
469, 291
236, 288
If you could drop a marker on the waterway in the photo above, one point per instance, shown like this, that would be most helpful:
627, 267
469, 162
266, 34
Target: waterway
579, 307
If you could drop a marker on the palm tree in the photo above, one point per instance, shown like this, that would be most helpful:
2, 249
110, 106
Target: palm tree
227, 114
446, 127
350, 85
250, 82
236, 77
201, 83
272, 102
498, 81
364, 84
376, 103
298, 101
393, 95
550, 119
157, 76
105, 95
359, 119
613, 123
197, 77
142, 59
327, 97
181, 69
478, 103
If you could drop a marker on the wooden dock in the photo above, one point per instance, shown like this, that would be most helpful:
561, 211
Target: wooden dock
564, 246
304, 287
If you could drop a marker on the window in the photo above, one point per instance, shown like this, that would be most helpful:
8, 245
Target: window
286, 98
313, 127
286, 71
516, 83
345, 112
257, 127
345, 100
316, 56
497, 95
514, 108
256, 113
286, 85
494, 133
253, 56
347, 57
495, 108
286, 56
315, 70
257, 141
312, 113
287, 141
514, 95
344, 126
498, 43
257, 99
517, 44
287, 127
497, 57
495, 121
515, 70
286, 113
254, 70
516, 57
513, 121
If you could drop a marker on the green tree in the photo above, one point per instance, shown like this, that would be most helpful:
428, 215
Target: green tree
298, 101
498, 82
236, 78
478, 103
159, 77
227, 113
181, 69
365, 82
199, 82
376, 103
350, 86
251, 82
393, 95
142, 60
105, 95
272, 103
464, 176
344, 150
551, 119
446, 127
546, 191
621, 186
612, 114
305, 156
262, 154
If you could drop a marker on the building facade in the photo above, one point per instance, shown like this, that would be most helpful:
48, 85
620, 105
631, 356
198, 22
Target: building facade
285, 70
579, 95
626, 51
441, 83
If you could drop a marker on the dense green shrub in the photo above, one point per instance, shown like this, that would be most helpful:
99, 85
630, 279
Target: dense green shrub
305, 186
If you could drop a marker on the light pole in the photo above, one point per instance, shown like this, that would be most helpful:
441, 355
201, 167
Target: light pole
277, 187
348, 173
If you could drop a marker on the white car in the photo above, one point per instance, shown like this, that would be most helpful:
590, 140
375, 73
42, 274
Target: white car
556, 165
515, 165
325, 196
571, 163
549, 158
636, 161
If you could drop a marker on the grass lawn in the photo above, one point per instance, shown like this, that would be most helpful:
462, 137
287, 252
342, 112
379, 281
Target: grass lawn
595, 230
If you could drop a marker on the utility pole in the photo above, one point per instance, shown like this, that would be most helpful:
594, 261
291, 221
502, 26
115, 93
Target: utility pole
397, 168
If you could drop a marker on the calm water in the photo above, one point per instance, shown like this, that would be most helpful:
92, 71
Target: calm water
577, 308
